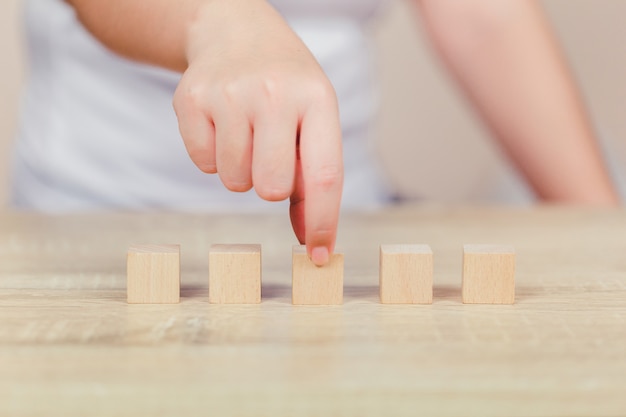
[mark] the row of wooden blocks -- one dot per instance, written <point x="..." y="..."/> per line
<point x="406" y="275"/>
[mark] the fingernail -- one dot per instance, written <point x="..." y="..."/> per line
<point x="319" y="256"/>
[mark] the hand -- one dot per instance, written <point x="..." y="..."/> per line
<point x="255" y="107"/>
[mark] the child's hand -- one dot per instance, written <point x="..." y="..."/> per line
<point x="251" y="96"/>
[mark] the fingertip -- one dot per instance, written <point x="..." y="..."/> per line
<point x="207" y="168"/>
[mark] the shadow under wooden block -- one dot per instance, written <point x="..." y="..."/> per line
<point x="488" y="274"/>
<point x="153" y="274"/>
<point x="406" y="274"/>
<point x="314" y="285"/>
<point x="235" y="274"/>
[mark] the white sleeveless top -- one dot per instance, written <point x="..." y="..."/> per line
<point x="99" y="131"/>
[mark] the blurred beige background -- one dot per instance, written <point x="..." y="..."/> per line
<point x="457" y="161"/>
<point x="11" y="75"/>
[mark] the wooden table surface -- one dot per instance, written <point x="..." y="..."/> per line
<point x="70" y="345"/>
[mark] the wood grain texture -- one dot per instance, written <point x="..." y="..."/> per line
<point x="488" y="274"/>
<point x="406" y="274"/>
<point x="235" y="274"/>
<point x="153" y="274"/>
<point x="70" y="345"/>
<point x="314" y="285"/>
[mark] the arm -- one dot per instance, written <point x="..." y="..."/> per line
<point x="504" y="56"/>
<point x="251" y="96"/>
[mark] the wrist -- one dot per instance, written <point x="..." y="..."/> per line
<point x="218" y="21"/>
<point x="196" y="29"/>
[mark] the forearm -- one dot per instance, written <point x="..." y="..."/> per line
<point x="149" y="31"/>
<point x="164" y="32"/>
<point x="504" y="57"/>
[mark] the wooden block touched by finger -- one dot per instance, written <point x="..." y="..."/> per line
<point x="315" y="285"/>
<point x="153" y="274"/>
<point x="235" y="274"/>
<point x="406" y="274"/>
<point x="488" y="274"/>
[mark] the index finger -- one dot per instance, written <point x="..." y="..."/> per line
<point x="322" y="175"/>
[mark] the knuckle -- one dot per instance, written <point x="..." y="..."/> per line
<point x="321" y="89"/>
<point x="196" y="96"/>
<point x="328" y="177"/>
<point x="270" y="85"/>
<point x="230" y="90"/>
<point x="323" y="233"/>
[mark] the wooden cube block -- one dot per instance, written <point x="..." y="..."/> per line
<point x="314" y="285"/>
<point x="235" y="274"/>
<point x="153" y="274"/>
<point x="406" y="274"/>
<point x="488" y="274"/>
